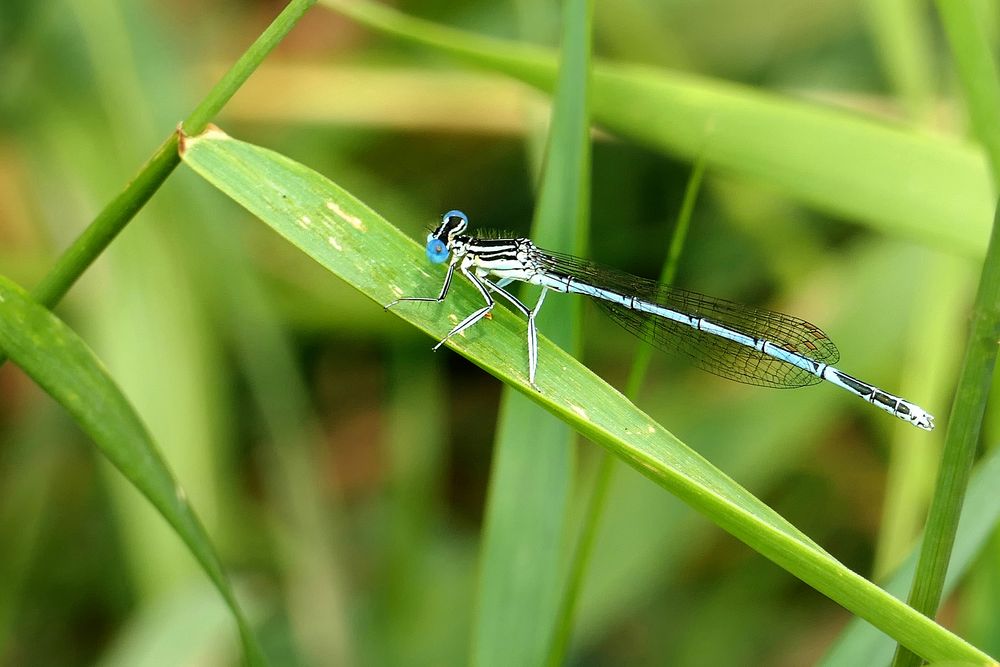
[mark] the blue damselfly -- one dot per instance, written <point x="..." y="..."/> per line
<point x="737" y="342"/>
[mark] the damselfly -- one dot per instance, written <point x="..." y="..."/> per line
<point x="737" y="342"/>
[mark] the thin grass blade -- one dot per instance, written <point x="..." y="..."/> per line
<point x="980" y="79"/>
<point x="861" y="643"/>
<point x="60" y="362"/>
<point x="534" y="460"/>
<point x="911" y="180"/>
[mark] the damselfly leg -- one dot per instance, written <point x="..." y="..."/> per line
<point x="485" y="286"/>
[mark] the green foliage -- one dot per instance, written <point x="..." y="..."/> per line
<point x="355" y="243"/>
<point x="534" y="462"/>
<point x="804" y="150"/>
<point x="340" y="467"/>
<point x="979" y="77"/>
<point x="55" y="357"/>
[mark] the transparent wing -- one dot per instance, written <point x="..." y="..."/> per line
<point x="709" y="352"/>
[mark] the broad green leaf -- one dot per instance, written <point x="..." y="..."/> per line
<point x="518" y="609"/>
<point x="890" y="176"/>
<point x="60" y="362"/>
<point x="354" y="242"/>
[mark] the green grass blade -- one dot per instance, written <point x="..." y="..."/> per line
<point x="977" y="71"/>
<point x="352" y="241"/>
<point x="903" y="40"/>
<point x="61" y="363"/>
<point x="912" y="181"/>
<point x="524" y="535"/>
<point x="962" y="436"/>
<point x="981" y="83"/>
<point x="913" y="459"/>
<point x="306" y="522"/>
<point x="534" y="463"/>
<point x="677" y="240"/>
<point x="862" y="644"/>
<point x="120" y="210"/>
<point x="904" y="46"/>
<point x="597" y="501"/>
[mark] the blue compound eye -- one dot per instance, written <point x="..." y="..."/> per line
<point x="437" y="251"/>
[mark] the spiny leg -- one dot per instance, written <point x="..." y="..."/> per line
<point x="474" y="317"/>
<point x="438" y="299"/>
<point x="533" y="338"/>
<point x="532" y="331"/>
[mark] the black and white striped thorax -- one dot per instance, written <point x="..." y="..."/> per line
<point x="513" y="259"/>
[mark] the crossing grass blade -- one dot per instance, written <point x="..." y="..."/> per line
<point x="354" y="242"/>
<point x="912" y="181"/>
<point x="531" y="483"/>
<point x="61" y="363"/>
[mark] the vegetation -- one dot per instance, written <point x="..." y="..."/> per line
<point x="332" y="477"/>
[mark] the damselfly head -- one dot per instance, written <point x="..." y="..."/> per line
<point x="438" y="241"/>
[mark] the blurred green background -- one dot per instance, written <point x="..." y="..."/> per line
<point x="341" y="467"/>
